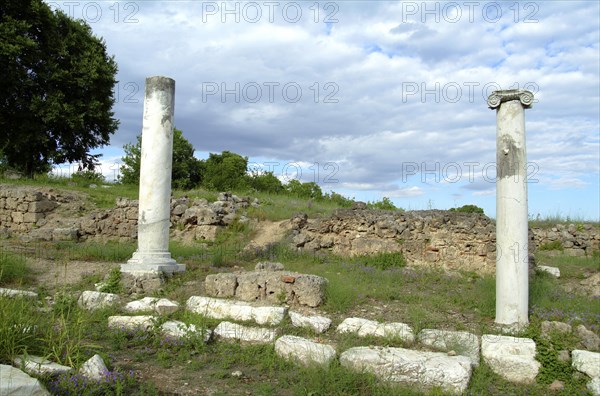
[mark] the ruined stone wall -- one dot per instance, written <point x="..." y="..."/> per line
<point x="451" y="240"/>
<point x="45" y="214"/>
<point x="447" y="239"/>
<point x="434" y="237"/>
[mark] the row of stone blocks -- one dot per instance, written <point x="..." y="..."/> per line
<point x="511" y="357"/>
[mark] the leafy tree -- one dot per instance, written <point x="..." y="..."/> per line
<point x="186" y="170"/>
<point x="266" y="182"/>
<point x="225" y="171"/>
<point x="56" y="90"/>
<point x="304" y="190"/>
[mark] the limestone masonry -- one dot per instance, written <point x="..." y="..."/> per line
<point x="433" y="237"/>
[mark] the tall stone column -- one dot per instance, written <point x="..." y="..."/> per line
<point x="154" y="210"/>
<point x="512" y="259"/>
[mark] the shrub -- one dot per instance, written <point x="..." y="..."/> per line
<point x="468" y="209"/>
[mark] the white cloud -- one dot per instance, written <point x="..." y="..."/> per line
<point x="373" y="58"/>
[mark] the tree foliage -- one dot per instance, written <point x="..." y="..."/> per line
<point x="225" y="171"/>
<point x="186" y="170"/>
<point x="468" y="209"/>
<point x="56" y="90"/>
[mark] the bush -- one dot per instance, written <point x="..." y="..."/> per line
<point x="384" y="204"/>
<point x="468" y="209"/>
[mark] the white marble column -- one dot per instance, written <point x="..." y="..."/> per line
<point x="155" y="181"/>
<point x="512" y="259"/>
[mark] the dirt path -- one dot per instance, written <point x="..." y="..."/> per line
<point x="54" y="275"/>
<point x="268" y="232"/>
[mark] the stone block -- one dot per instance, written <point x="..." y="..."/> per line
<point x="589" y="339"/>
<point x="30" y="217"/>
<point x="65" y="234"/>
<point x="235" y="310"/>
<point x="15" y="382"/>
<point x="93" y="300"/>
<point x="17" y="293"/>
<point x="364" y="327"/>
<point x="587" y="362"/>
<point x="414" y="368"/>
<point x="510" y="357"/>
<point x="177" y="329"/>
<point x="17" y="217"/>
<point x="131" y="323"/>
<point x="319" y="324"/>
<point x="36" y="365"/>
<point x="594" y="386"/>
<point x="221" y="285"/>
<point x="42" y="206"/>
<point x="234" y="331"/>
<point x="304" y="351"/>
<point x="554" y="271"/>
<point x="162" y="306"/>
<point x="461" y="342"/>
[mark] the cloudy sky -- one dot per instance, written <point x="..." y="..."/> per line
<point x="370" y="99"/>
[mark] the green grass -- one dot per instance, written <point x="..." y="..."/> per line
<point x="13" y="269"/>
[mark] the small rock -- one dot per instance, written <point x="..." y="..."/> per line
<point x="564" y="355"/>
<point x="554" y="271"/>
<point x="549" y="327"/>
<point x="237" y="374"/>
<point x="268" y="266"/>
<point x="589" y="339"/>
<point x="556" y="386"/>
<point x="94" y="368"/>
<point x="451" y="353"/>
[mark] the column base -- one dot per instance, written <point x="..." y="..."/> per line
<point x="152" y="262"/>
